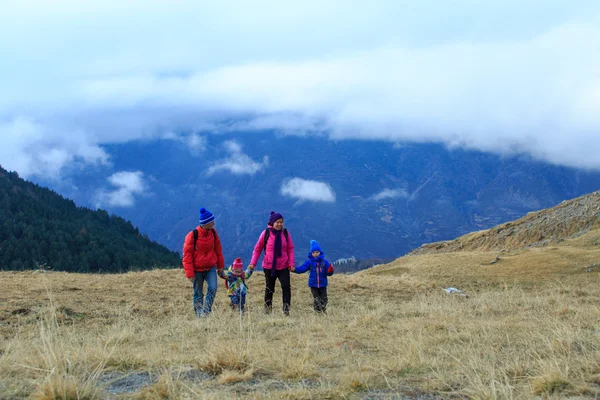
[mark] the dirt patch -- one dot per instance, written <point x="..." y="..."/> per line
<point x="195" y="376"/>
<point x="400" y="395"/>
<point x="120" y="383"/>
<point x="21" y="311"/>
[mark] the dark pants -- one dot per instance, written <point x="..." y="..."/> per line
<point x="204" y="306"/>
<point x="237" y="302"/>
<point x="284" y="279"/>
<point x="320" y="299"/>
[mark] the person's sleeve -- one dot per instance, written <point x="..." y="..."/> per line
<point x="258" y="248"/>
<point x="290" y="250"/>
<point x="219" y="251"/>
<point x="223" y="274"/>
<point x="329" y="268"/>
<point x="188" y="255"/>
<point x="303" y="268"/>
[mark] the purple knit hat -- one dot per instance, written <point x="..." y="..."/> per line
<point x="274" y="217"/>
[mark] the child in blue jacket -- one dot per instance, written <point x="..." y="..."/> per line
<point x="235" y="277"/>
<point x="319" y="269"/>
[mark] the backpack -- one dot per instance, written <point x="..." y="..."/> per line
<point x="196" y="238"/>
<point x="266" y="237"/>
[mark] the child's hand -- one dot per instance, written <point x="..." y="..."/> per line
<point x="330" y="270"/>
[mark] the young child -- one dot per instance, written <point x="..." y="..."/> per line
<point x="319" y="269"/>
<point x="235" y="278"/>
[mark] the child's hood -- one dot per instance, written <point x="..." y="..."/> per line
<point x="315" y="246"/>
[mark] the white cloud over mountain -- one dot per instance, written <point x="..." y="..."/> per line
<point x="195" y="143"/>
<point x="238" y="163"/>
<point x="126" y="186"/>
<point x="82" y="75"/>
<point x="308" y="190"/>
<point x="390" y="194"/>
<point x="34" y="149"/>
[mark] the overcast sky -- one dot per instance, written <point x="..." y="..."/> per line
<point x="502" y="76"/>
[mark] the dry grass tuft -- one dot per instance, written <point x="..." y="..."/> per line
<point x="162" y="389"/>
<point x="301" y="368"/>
<point x="66" y="387"/>
<point x="549" y="384"/>
<point x="235" y="376"/>
<point x="224" y="359"/>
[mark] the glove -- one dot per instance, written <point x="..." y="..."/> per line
<point x="330" y="269"/>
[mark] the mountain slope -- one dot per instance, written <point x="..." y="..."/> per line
<point x="41" y="228"/>
<point x="433" y="193"/>
<point x="558" y="244"/>
<point x="568" y="220"/>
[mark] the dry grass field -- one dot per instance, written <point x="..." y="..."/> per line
<point x="529" y="328"/>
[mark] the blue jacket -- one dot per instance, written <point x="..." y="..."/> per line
<point x="318" y="270"/>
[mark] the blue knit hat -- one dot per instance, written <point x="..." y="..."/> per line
<point x="206" y="217"/>
<point x="314" y="246"/>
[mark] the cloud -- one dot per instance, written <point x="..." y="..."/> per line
<point x="390" y="194"/>
<point x="127" y="185"/>
<point x="33" y="149"/>
<point x="373" y="73"/>
<point x="308" y="190"/>
<point x="238" y="163"/>
<point x="195" y="143"/>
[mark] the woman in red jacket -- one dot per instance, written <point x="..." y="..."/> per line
<point x="202" y="256"/>
<point x="277" y="262"/>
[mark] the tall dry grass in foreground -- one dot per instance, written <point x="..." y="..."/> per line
<point x="386" y="334"/>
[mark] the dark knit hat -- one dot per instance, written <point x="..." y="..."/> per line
<point x="314" y="246"/>
<point x="206" y="217"/>
<point x="274" y="217"/>
<point x="237" y="264"/>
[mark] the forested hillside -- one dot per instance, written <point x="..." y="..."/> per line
<point x="40" y="228"/>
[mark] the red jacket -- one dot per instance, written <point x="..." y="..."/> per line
<point x="207" y="254"/>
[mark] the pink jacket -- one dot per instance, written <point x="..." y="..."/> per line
<point x="284" y="261"/>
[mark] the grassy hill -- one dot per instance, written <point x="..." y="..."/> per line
<point x="570" y="219"/>
<point x="527" y="329"/>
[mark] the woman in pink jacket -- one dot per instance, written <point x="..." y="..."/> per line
<point x="277" y="262"/>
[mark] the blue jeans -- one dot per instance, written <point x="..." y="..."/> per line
<point x="204" y="306"/>
<point x="238" y="302"/>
